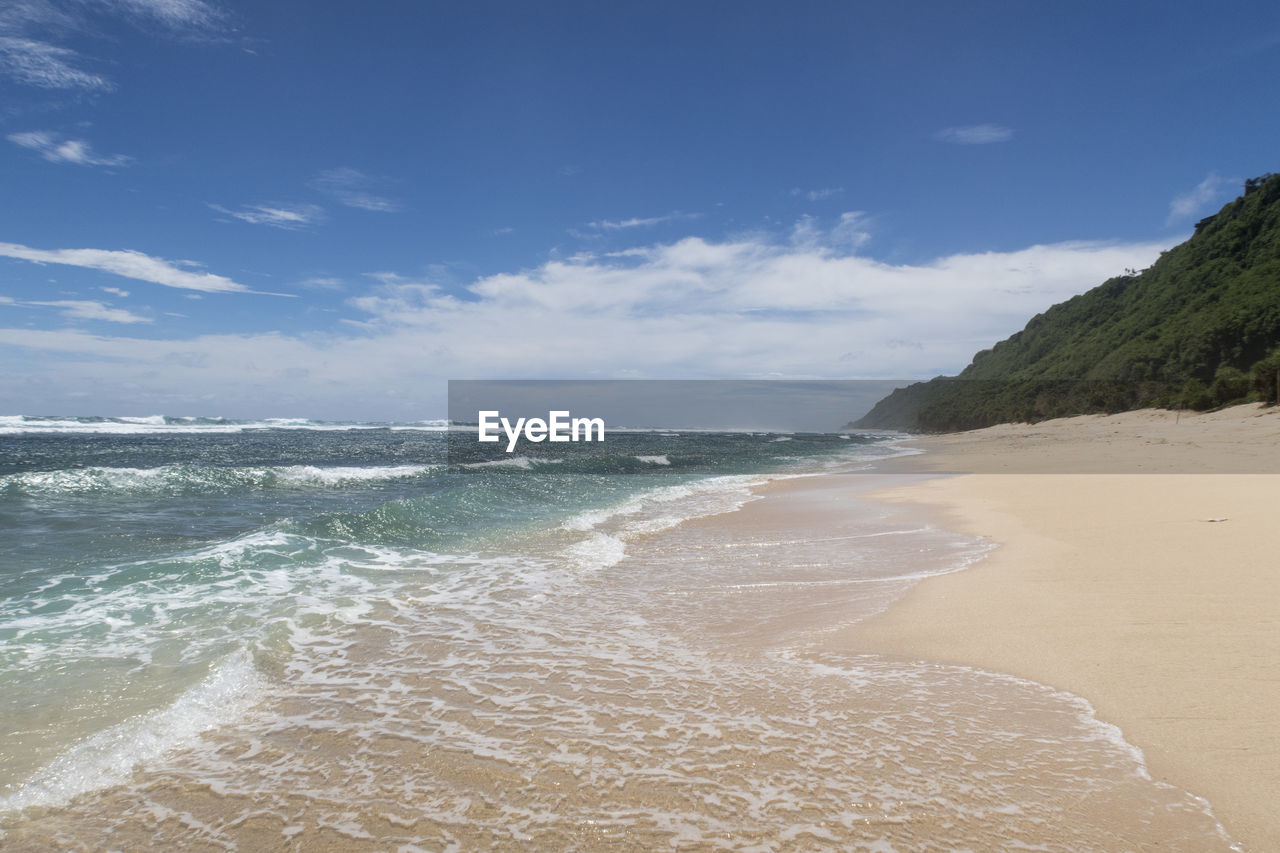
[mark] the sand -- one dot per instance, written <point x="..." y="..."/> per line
<point x="1138" y="567"/>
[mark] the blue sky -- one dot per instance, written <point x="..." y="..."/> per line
<point x="326" y="209"/>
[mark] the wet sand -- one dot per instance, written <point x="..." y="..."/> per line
<point x="1151" y="586"/>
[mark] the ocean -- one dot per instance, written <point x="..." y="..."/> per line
<point x="289" y="634"/>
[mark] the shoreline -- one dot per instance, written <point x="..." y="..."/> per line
<point x="711" y="663"/>
<point x="1149" y="593"/>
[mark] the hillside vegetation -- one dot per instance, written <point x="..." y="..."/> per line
<point x="1198" y="329"/>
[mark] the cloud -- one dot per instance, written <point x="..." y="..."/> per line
<point x="33" y="32"/>
<point x="852" y="230"/>
<point x="79" y="309"/>
<point x="47" y="66"/>
<point x="290" y="217"/>
<point x="126" y="263"/>
<point x="56" y="149"/>
<point x="693" y="308"/>
<point x="317" y="282"/>
<point x="976" y="134"/>
<point x="849" y="233"/>
<point x="1190" y="203"/>
<point x="817" y="195"/>
<point x="114" y="291"/>
<point x="352" y="188"/>
<point x="176" y="14"/>
<point x="616" y="225"/>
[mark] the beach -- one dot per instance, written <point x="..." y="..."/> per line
<point x="1135" y="568"/>
<point x="342" y="643"/>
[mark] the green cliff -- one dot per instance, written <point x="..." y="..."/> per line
<point x="1199" y="328"/>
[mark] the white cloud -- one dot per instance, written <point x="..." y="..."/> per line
<point x="976" y="134"/>
<point x="637" y="222"/>
<point x="48" y="66"/>
<point x="114" y="291"/>
<point x="56" y="149"/>
<point x="178" y="14"/>
<point x="33" y="32"/>
<point x="1193" y="201"/>
<point x="320" y="282"/>
<point x="126" y="263"/>
<point x="351" y="187"/>
<point x="850" y="232"/>
<point x="290" y="217"/>
<point x="749" y="307"/>
<point x="81" y="309"/>
<point x="817" y="195"/>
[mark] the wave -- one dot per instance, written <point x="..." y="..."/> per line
<point x="522" y="462"/>
<point x="182" y="479"/>
<point x="609" y="529"/>
<point x="109" y="757"/>
<point x="41" y="425"/>
<point x="655" y="460"/>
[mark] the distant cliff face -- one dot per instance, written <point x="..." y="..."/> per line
<point x="1200" y="328"/>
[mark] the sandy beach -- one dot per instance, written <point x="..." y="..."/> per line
<point x="1149" y="586"/>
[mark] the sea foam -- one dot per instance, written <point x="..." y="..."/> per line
<point x="109" y="757"/>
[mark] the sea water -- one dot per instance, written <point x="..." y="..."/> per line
<point x="286" y="634"/>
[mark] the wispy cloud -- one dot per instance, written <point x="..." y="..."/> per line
<point x="290" y="217"/>
<point x="126" y="263"/>
<point x="178" y="14"/>
<point x="115" y="291"/>
<point x="817" y="195"/>
<point x="47" y="66"/>
<point x="638" y="222"/>
<point x="57" y="149"/>
<point x="84" y="309"/>
<point x="850" y="232"/>
<point x="318" y="282"/>
<point x="33" y="35"/>
<point x="1193" y="201"/>
<point x="976" y="134"/>
<point x="353" y="188"/>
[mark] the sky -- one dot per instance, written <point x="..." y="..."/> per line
<point x="305" y="208"/>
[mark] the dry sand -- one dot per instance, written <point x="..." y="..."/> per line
<point x="1151" y="586"/>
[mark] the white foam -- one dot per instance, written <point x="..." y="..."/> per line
<point x="166" y="477"/>
<point x="514" y="462"/>
<point x="31" y="425"/>
<point x="597" y="551"/>
<point x="348" y="474"/>
<point x="109" y="757"/>
<point x="650" y="512"/>
<point x="655" y="460"/>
